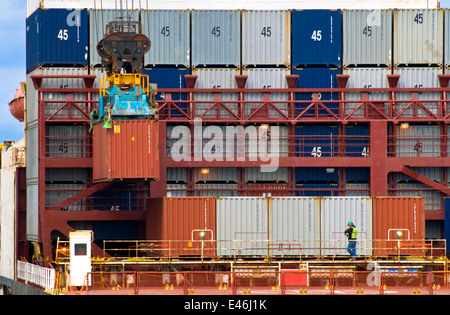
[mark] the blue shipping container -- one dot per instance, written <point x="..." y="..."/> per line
<point x="316" y="140"/>
<point x="115" y="230"/>
<point x="170" y="78"/>
<point x="357" y="140"/>
<point x="316" y="190"/>
<point x="57" y="37"/>
<point x="116" y="197"/>
<point x="357" y="175"/>
<point x="316" y="78"/>
<point x="316" y="37"/>
<point x="447" y="222"/>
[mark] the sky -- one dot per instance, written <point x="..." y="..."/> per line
<point x="12" y="64"/>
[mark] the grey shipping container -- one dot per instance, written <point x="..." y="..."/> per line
<point x="418" y="141"/>
<point x="169" y="33"/>
<point x="216" y="38"/>
<point x="418" y="37"/>
<point x="98" y="20"/>
<point x="241" y="226"/>
<point x="266" y="38"/>
<point x="367" y="37"/>
<point x="294" y="226"/>
<point x="335" y="214"/>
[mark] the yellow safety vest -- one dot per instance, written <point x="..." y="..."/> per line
<point x="354" y="232"/>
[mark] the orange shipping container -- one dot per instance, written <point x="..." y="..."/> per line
<point x="185" y="225"/>
<point x="128" y="150"/>
<point x="399" y="226"/>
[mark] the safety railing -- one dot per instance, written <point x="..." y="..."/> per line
<point x="36" y="275"/>
<point x="264" y="249"/>
<point x="322" y="281"/>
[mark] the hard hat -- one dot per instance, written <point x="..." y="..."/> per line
<point x="349" y="222"/>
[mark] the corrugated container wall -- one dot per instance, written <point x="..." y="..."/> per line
<point x="316" y="140"/>
<point x="418" y="141"/>
<point x="397" y="213"/>
<point x="242" y="226"/>
<point x="128" y="150"/>
<point x="418" y="37"/>
<point x="295" y="223"/>
<point x="418" y="77"/>
<point x="216" y="78"/>
<point x="169" y="33"/>
<point x="180" y="220"/>
<point x="57" y="37"/>
<point x="336" y="212"/>
<point x="266" y="38"/>
<point x="216" y="38"/>
<point x="367" y="37"/>
<point x="446" y="38"/>
<point x="98" y="20"/>
<point x="316" y="37"/>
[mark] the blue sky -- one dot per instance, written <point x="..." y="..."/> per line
<point x="12" y="64"/>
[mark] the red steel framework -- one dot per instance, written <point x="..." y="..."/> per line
<point x="379" y="114"/>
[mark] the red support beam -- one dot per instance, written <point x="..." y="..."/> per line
<point x="378" y="153"/>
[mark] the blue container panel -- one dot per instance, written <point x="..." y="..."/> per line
<point x="357" y="175"/>
<point x="57" y="37"/>
<point x="447" y="222"/>
<point x="316" y="140"/>
<point x="305" y="175"/>
<point x="316" y="37"/>
<point x="316" y="190"/>
<point x="170" y="78"/>
<point x="115" y="230"/>
<point x="118" y="197"/>
<point x="316" y="78"/>
<point x="357" y="140"/>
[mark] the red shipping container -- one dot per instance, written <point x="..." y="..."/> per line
<point x="405" y="215"/>
<point x="128" y="150"/>
<point x="179" y="223"/>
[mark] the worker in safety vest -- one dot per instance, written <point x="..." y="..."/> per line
<point x="351" y="235"/>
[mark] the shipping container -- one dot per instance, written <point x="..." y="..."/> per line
<point x="216" y="38"/>
<point x="267" y="141"/>
<point x="178" y="223"/>
<point x="316" y="78"/>
<point x="266" y="189"/>
<point x="316" y="189"/>
<point x="316" y="37"/>
<point x="417" y="141"/>
<point x="294" y="226"/>
<point x="52" y="107"/>
<point x="57" y="37"/>
<point x="176" y="190"/>
<point x="447" y="222"/>
<point x="357" y="141"/>
<point x="357" y="190"/>
<point x="367" y="37"/>
<point x="403" y="214"/>
<point x="316" y="175"/>
<point x="417" y="77"/>
<point x="418" y="37"/>
<point x="266" y="78"/>
<point x="216" y="78"/>
<point x="242" y="226"/>
<point x="177" y="175"/>
<point x="266" y="38"/>
<point x="316" y="140"/>
<point x="117" y="197"/>
<point x="446" y="39"/>
<point x="367" y="78"/>
<point x="169" y="33"/>
<point x="170" y="78"/>
<point x="357" y="174"/>
<point x="256" y="174"/>
<point x="98" y="20"/>
<point x="336" y="212"/>
<point x="128" y="150"/>
<point x="215" y="174"/>
<point x="68" y="141"/>
<point x="58" y="192"/>
<point x="216" y="190"/>
<point x="115" y="230"/>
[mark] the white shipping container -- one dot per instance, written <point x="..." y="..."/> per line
<point x="367" y="37"/>
<point x="266" y="38"/>
<point x="242" y="226"/>
<point x="418" y="37"/>
<point x="294" y="226"/>
<point x="418" y="141"/>
<point x="335" y="213"/>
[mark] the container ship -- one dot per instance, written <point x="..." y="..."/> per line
<point x="225" y="149"/>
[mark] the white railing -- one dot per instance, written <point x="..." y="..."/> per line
<point x="36" y="275"/>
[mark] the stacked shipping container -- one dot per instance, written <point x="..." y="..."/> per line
<point x="316" y="45"/>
